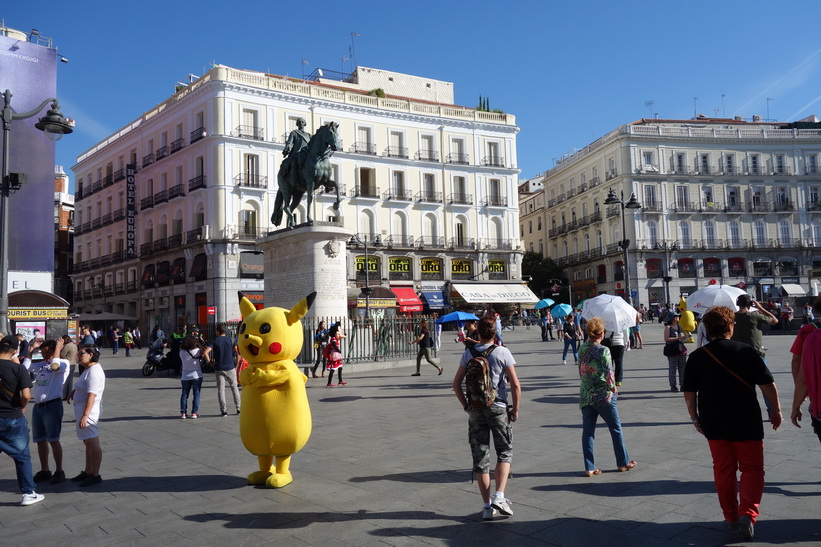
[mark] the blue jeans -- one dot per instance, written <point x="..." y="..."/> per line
<point x="610" y="415"/>
<point x="14" y="441"/>
<point x="570" y="343"/>
<point x="186" y="389"/>
<point x="115" y="347"/>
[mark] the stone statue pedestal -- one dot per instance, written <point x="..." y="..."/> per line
<point x="305" y="259"/>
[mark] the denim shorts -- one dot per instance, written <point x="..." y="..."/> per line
<point x="482" y="423"/>
<point x="47" y="421"/>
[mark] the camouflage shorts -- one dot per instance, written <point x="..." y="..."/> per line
<point x="482" y="423"/>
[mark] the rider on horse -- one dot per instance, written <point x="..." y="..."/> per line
<point x="297" y="140"/>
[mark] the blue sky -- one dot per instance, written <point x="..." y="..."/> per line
<point x="569" y="71"/>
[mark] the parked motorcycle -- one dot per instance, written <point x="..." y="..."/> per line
<point x="156" y="360"/>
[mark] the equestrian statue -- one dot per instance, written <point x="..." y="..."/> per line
<point x="306" y="166"/>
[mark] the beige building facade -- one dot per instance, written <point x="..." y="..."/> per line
<point x="174" y="240"/>
<point x="723" y="201"/>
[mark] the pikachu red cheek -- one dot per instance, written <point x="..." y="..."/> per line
<point x="275" y="348"/>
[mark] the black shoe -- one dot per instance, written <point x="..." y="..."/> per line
<point x="58" y="477"/>
<point x="91" y="480"/>
<point x="42" y="476"/>
<point x="224" y="414"/>
<point x="81" y="477"/>
<point x="674" y="389"/>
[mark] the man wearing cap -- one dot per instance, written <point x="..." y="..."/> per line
<point x="47" y="417"/>
<point x="14" y="430"/>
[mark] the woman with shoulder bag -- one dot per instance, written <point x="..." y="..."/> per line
<point x="675" y="350"/>
<point x="191" y="378"/>
<point x="570" y="334"/>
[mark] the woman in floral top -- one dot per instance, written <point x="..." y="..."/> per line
<point x="597" y="397"/>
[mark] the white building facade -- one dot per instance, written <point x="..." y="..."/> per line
<point x="723" y="201"/>
<point x="431" y="181"/>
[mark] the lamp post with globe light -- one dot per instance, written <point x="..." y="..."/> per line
<point x="54" y="125"/>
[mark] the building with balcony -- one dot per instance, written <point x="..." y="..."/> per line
<point x="64" y="234"/>
<point x="168" y="209"/>
<point x="723" y="201"/>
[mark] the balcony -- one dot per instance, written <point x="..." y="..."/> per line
<point x="429" y="197"/>
<point x="196" y="183"/>
<point x="131" y="286"/>
<point x="611" y="174"/>
<point x="612" y="211"/>
<point x="96" y="223"/>
<point x="814" y="205"/>
<point x="462" y="244"/>
<point x="571" y="193"/>
<point x="735" y="243"/>
<point x="197" y="234"/>
<point x="460" y="198"/>
<point x="499" y="244"/>
<point x="147" y="203"/>
<point x="736" y="207"/>
<point x="758" y="207"/>
<point x="427" y="155"/>
<point x="249" y="180"/>
<point x="783" y="205"/>
<point x="161" y="244"/>
<point x="107" y="219"/>
<point x="146" y="248"/>
<point x="582" y="187"/>
<point x="400" y="195"/>
<point x="366" y="191"/>
<point x="494" y="201"/>
<point x="431" y="242"/>
<point x="244" y="232"/>
<point x="363" y="148"/>
<point x="117" y="257"/>
<point x="686" y="207"/>
<point x="108" y="180"/>
<point x="175" y="240"/>
<point x="249" y="132"/>
<point x="119" y="288"/>
<point x="493" y="161"/>
<point x="396" y="152"/>
<point x="594" y="182"/>
<point x="197" y="134"/>
<point x="458" y="158"/>
<point x="119" y="175"/>
<point x="788" y="243"/>
<point x="162" y="152"/>
<point x="176" y="191"/>
<point x="782" y="172"/>
<point x="688" y="244"/>
<point x="118" y="215"/>
<point x="177" y="145"/>
<point x="86" y="227"/>
<point x="97" y="186"/>
<point x="651" y="207"/>
<point x="148" y="159"/>
<point x="399" y="242"/>
<point x="160" y="197"/>
<point x="711" y="207"/>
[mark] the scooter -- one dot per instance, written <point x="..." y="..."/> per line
<point x="155" y="360"/>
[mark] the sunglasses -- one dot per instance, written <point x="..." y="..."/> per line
<point x="86" y="353"/>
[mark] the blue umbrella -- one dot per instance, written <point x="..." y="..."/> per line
<point x="561" y="310"/>
<point x="456" y="316"/>
<point x="543" y="303"/>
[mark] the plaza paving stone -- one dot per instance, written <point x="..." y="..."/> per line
<point x="388" y="464"/>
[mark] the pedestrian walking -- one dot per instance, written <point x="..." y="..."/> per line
<point x="333" y="353"/>
<point x="224" y="360"/>
<point x="191" y="376"/>
<point x="570" y="335"/>
<point x="719" y="390"/>
<point x="494" y="419"/>
<point x="806" y="372"/>
<point x="321" y="339"/>
<point x="675" y="350"/>
<point x="597" y="397"/>
<point x="425" y="341"/>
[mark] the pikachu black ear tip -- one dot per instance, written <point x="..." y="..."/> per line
<point x="240" y="295"/>
<point x="310" y="298"/>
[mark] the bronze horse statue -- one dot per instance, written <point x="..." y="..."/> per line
<point x="312" y="170"/>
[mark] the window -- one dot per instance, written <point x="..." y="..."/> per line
<point x="429" y="186"/>
<point x="427" y="152"/>
<point x="652" y="233"/>
<point x="251" y="165"/>
<point x="649" y="195"/>
<point x="681" y="197"/>
<point x="813" y="197"/>
<point x="684" y="237"/>
<point x="460" y="234"/>
<point x="757" y="198"/>
<point x="364" y="142"/>
<point x="754" y="164"/>
<point x="652" y="267"/>
<point x="367" y="180"/>
<point x="735" y="234"/>
<point x="812" y="163"/>
<point x="398" y="189"/>
<point x="530" y="226"/>
<point x="784" y="232"/>
<point x="539" y="224"/>
<point x="712" y="267"/>
<point x="816" y="232"/>
<point x="778" y="164"/>
<point x="397" y="148"/>
<point x="710" y="234"/>
<point x="647" y="158"/>
<point x="494" y="157"/>
<point x="729" y="163"/>
<point x="457" y="151"/>
<point x="760" y="233"/>
<point x="732" y="198"/>
<point x="680" y="163"/>
<point x="705" y="164"/>
<point x="707" y="195"/>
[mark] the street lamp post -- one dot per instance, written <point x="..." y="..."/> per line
<point x="668" y="250"/>
<point x="54" y="125"/>
<point x="376" y="243"/>
<point x="632" y="203"/>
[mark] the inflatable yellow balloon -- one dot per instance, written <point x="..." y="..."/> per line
<point x="682" y="306"/>
<point x="276" y="419"/>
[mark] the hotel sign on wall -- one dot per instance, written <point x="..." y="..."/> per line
<point x="130" y="211"/>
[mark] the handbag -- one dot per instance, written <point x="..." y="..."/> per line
<point x="672" y="349"/>
<point x="336" y="356"/>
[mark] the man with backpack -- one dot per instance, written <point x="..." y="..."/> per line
<point x="486" y="371"/>
<point x="806" y="371"/>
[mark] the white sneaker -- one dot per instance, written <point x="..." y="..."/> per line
<point x="31" y="499"/>
<point x="488" y="513"/>
<point x="502" y="504"/>
<point x="564" y="361"/>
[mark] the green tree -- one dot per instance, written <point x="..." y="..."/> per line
<point x="541" y="270"/>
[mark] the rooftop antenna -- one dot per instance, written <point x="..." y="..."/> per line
<point x="304" y="63"/>
<point x="695" y="107"/>
<point x="649" y="104"/>
<point x="723" y="112"/>
<point x="768" y="107"/>
<point x="344" y="59"/>
<point x="353" y="49"/>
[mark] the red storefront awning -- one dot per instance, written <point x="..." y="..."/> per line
<point x="407" y="299"/>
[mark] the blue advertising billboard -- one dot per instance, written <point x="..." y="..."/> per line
<point x="29" y="71"/>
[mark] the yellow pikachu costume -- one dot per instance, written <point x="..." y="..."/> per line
<point x="276" y="419"/>
<point x="687" y="321"/>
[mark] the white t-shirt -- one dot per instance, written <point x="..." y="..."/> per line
<point x="91" y="380"/>
<point x="48" y="384"/>
<point x="191" y="369"/>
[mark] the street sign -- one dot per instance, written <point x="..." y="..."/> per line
<point x="212" y="310"/>
<point x="634" y="294"/>
<point x="554" y="288"/>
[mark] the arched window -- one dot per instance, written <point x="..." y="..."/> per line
<point x="735" y="234"/>
<point x="367" y="225"/>
<point x="618" y="270"/>
<point x="710" y="234"/>
<point x="684" y="237"/>
<point x="248" y="220"/>
<point x="555" y="252"/>
<point x="565" y="249"/>
<point x="586" y="242"/>
<point x="599" y="240"/>
<point x="652" y="233"/>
